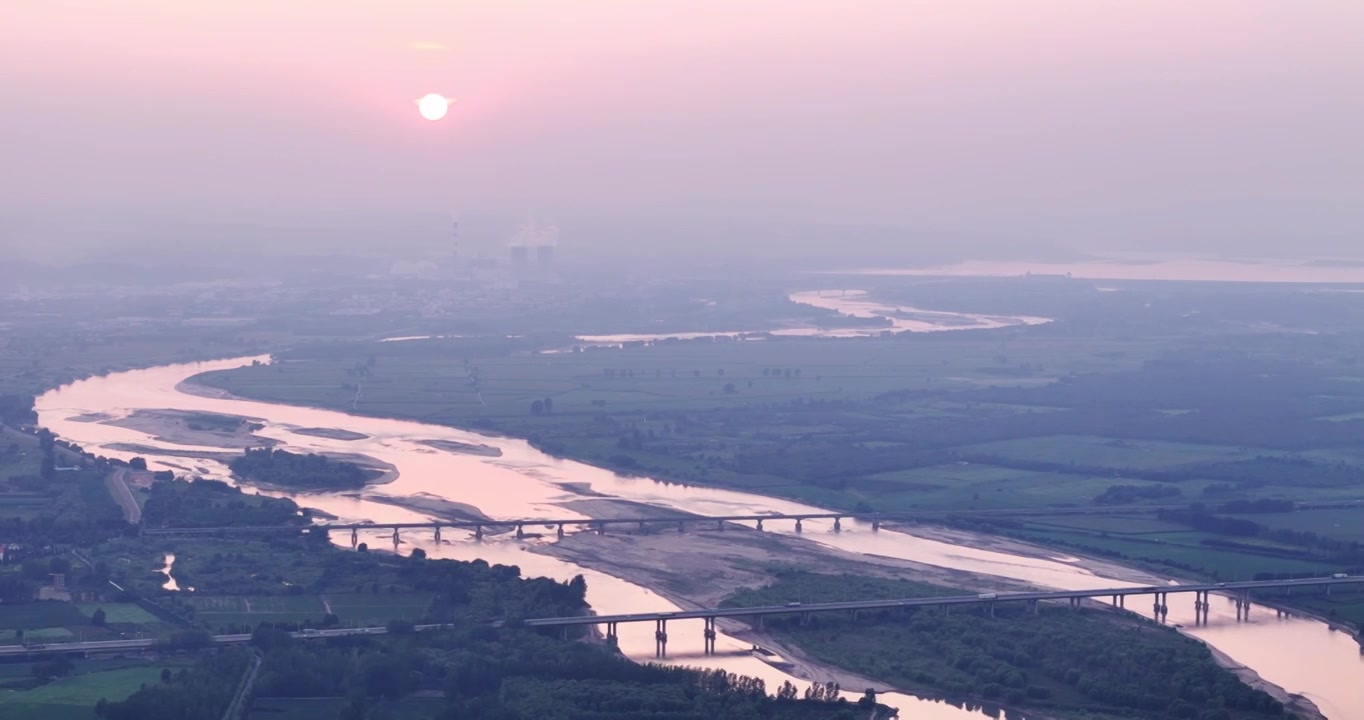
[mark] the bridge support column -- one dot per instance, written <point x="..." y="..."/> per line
<point x="719" y="524"/>
<point x="798" y="527"/>
<point x="396" y="540"/>
<point x="478" y="532"/>
<point x="838" y="524"/>
<point x="520" y="532"/>
<point x="760" y="526"/>
<point x="710" y="636"/>
<point x="354" y="538"/>
<point x="990" y="609"/>
<point x="680" y="526"/>
<point x="561" y="533"/>
<point x="437" y="534"/>
<point x="661" y="639"/>
<point x="1033" y="607"/>
<point x="876" y="523"/>
<point x="601" y="528"/>
<point x="612" y="639"/>
<point x="641" y="527"/>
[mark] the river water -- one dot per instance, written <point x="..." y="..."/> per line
<point x="856" y="303"/>
<point x="1301" y="655"/>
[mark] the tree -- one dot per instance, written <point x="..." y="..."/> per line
<point x="138" y="463"/>
<point x="418" y="554"/>
<point x="97" y="618"/>
<point x="165" y="675"/>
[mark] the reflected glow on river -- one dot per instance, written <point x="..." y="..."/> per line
<point x="1303" y="656"/>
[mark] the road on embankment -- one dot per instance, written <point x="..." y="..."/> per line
<point x="117" y="482"/>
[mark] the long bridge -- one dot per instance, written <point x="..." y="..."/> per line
<point x="1239" y="592"/>
<point x="600" y="525"/>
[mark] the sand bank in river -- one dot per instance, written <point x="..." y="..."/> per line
<point x="330" y="433"/>
<point x="433" y="505"/>
<point x="463" y="448"/>
<point x="181" y="427"/>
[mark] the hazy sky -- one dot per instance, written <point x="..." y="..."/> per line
<point x="1227" y="125"/>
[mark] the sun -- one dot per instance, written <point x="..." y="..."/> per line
<point x="433" y="106"/>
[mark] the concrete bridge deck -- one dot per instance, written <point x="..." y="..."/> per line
<point x="1239" y="591"/>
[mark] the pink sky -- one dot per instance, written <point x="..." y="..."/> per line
<point x="1104" y="123"/>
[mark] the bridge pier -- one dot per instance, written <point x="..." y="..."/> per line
<point x="719" y="524"/>
<point x="1033" y="607"/>
<point x="561" y="532"/>
<point x="396" y="540"/>
<point x="661" y="639"/>
<point x="710" y="634"/>
<point x="875" y="523"/>
<point x="641" y="527"/>
<point x="1159" y="609"/>
<point x="478" y="532"/>
<point x="838" y="524"/>
<point x="520" y="532"/>
<point x="990" y="609"/>
<point x="612" y="638"/>
<point x="798" y="527"/>
<point x="760" y="525"/>
<point x="601" y="528"/>
<point x="680" y="525"/>
<point x="437" y="534"/>
<point x="354" y="538"/>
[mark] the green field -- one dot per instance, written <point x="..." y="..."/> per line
<point x="1111" y="452"/>
<point x="1341" y="523"/>
<point x="75" y="696"/>
<point x="236" y="610"/>
<point x="351" y="608"/>
<point x="40" y="614"/>
<point x="378" y="608"/>
<point x="429" y="380"/>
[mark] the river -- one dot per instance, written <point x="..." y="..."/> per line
<point x="1300" y="655"/>
<point x="855" y="303"/>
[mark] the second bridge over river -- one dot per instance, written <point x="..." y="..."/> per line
<point x="1238" y="592"/>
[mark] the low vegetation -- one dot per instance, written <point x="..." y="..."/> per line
<point x="281" y="468"/>
<point x="1060" y="662"/>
